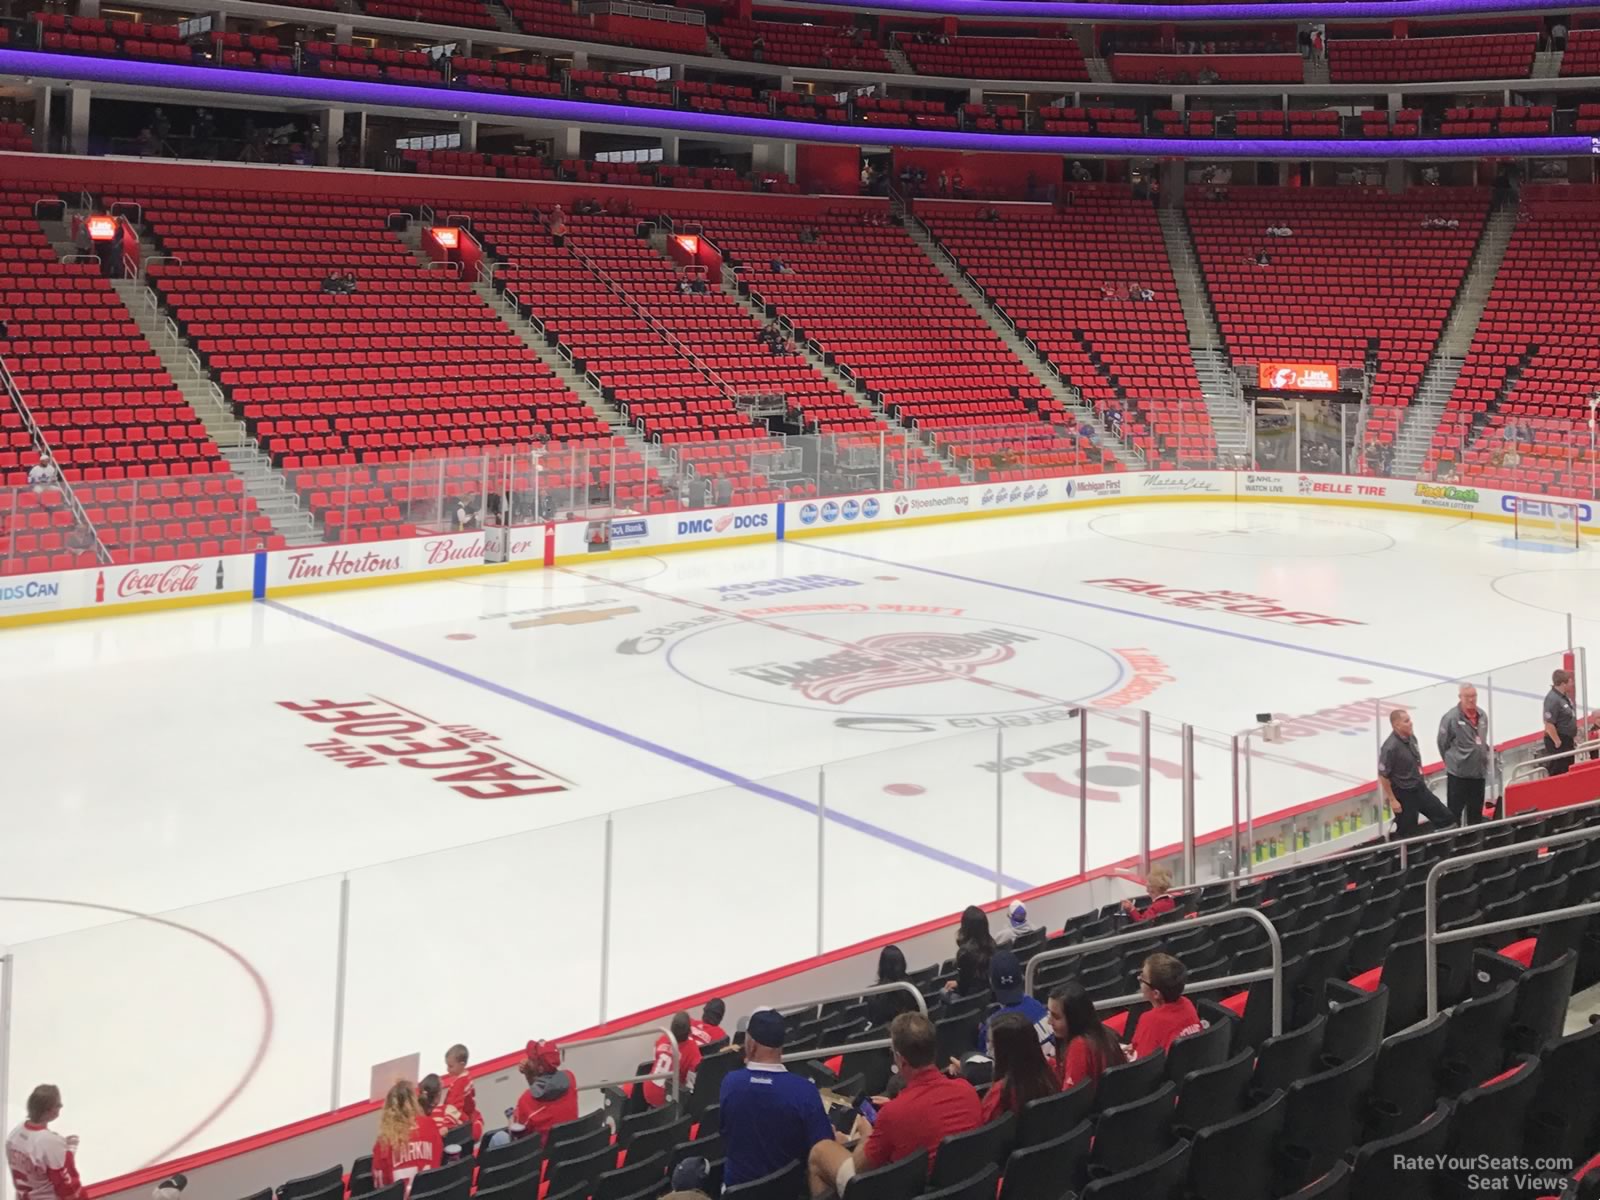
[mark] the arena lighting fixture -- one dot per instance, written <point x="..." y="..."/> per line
<point x="448" y="236"/>
<point x="689" y="241"/>
<point x="102" y="229"/>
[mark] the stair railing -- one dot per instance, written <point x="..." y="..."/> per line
<point x="42" y="445"/>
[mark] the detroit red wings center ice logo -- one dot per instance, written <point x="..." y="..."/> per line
<point x="890" y="660"/>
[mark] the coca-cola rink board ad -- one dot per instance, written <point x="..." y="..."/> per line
<point x="195" y="580"/>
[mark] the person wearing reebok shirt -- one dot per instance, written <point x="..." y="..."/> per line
<point x="930" y="1107"/>
<point x="1172" y="1014"/>
<point x="42" y="1163"/>
<point x="655" y="1090"/>
<point x="770" y="1118"/>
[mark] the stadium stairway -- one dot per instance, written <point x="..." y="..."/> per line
<point x="1007" y="333"/>
<point x="1439" y="380"/>
<point x="267" y="487"/>
<point x="1219" y="383"/>
<point x="582" y="385"/>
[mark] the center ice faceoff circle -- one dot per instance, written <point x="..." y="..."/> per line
<point x="895" y="664"/>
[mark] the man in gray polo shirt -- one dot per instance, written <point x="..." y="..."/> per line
<point x="1560" y="723"/>
<point x="1400" y="777"/>
<point x="1464" y="745"/>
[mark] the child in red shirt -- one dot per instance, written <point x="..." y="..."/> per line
<point x="1084" y="1047"/>
<point x="460" y="1097"/>
<point x="1172" y="1014"/>
<point x="655" y="1090"/>
<point x="1156" y="887"/>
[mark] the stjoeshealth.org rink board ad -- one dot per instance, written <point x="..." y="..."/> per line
<point x="53" y="595"/>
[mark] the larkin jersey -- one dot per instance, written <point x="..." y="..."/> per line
<point x="42" y="1168"/>
<point x="421" y="1151"/>
<point x="655" y="1090"/>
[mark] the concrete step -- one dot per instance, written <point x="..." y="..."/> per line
<point x="899" y="61"/>
<point x="1040" y="367"/>
<point x="1219" y="385"/>
<point x="1547" y="64"/>
<point x="267" y="487"/>
<point x="1099" y="70"/>
<point x="1438" y="382"/>
<point x="503" y="19"/>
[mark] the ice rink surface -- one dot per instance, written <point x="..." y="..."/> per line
<point x="187" y="794"/>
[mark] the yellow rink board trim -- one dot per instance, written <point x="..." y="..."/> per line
<point x="791" y="534"/>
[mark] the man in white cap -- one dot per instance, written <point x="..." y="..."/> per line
<point x="1016" y="924"/>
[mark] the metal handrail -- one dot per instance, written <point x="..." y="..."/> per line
<point x="81" y="258"/>
<point x="1538" y="763"/>
<point x="877" y="989"/>
<point x="162" y="258"/>
<point x="662" y="1030"/>
<point x="1274" y="972"/>
<point x="130" y="269"/>
<point x="102" y="555"/>
<point x="440" y="264"/>
<point x="1433" y="939"/>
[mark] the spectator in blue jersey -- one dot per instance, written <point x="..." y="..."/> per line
<point x="1005" y="980"/>
<point x="770" y="1118"/>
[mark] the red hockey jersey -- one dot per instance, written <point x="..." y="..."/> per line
<point x="421" y="1151"/>
<point x="460" y="1104"/>
<point x="655" y="1090"/>
<point x="41" y="1165"/>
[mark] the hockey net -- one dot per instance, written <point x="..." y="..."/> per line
<point x="1550" y="522"/>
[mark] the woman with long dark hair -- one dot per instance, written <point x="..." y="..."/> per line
<point x="1084" y="1047"/>
<point x="1021" y="1072"/>
<point x="974" y="949"/>
<point x="886" y="1006"/>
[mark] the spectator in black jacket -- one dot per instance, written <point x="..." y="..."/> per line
<point x="974" y="949"/>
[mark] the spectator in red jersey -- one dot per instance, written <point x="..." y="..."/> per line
<point x="708" y="1029"/>
<point x="1156" y="887"/>
<point x="1084" y="1047"/>
<point x="552" y="1095"/>
<point x="1171" y="1014"/>
<point x="930" y="1107"/>
<point x="655" y="1090"/>
<point x="460" y="1095"/>
<point x="408" y="1140"/>
<point x="431" y="1100"/>
<point x="1021" y="1071"/>
<point x="558" y="226"/>
<point x="43" y="1163"/>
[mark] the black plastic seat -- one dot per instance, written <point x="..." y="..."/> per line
<point x="1129" y="1134"/>
<point x="963" y="1155"/>
<point x="786" y="1184"/>
<point x="507" y="1173"/>
<point x="1196" y="1051"/>
<point x="522" y="1150"/>
<point x="1129" y="1082"/>
<point x="1234" y="1159"/>
<point x="578" y="1129"/>
<point x="624" y="1181"/>
<point x="1159" y="1179"/>
<point x="1404" y="974"/>
<point x="659" y="1140"/>
<point x="524" y="1187"/>
<point x="1048" y="1170"/>
<point x="636" y="1123"/>
<point x="1368" y="945"/>
<point x="1406" y="1086"/>
<point x="584" y="1169"/>
<point x="311" y="1185"/>
<point x="1376" y="1173"/>
<point x="1491" y="1119"/>
<point x="1049" y="1117"/>
<point x="442" y="1179"/>
<point x="1544" y="992"/>
<point x="361" y="1176"/>
<point x="1321" y="965"/>
<point x="1335" y="1185"/>
<point x="977" y="1187"/>
<point x="1291" y="1056"/>
<point x="708" y="1077"/>
<point x="395" y="1191"/>
<point x="1214" y="1094"/>
<point x="1325" y="1114"/>
<point x="1474" y="1039"/>
<point x="1565" y="1117"/>
<point x="1355" y="1021"/>
<point x="897" y="1181"/>
<point x="456" y="1188"/>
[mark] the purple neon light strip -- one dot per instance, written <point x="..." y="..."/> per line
<point x="345" y="91"/>
<point x="1306" y="10"/>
